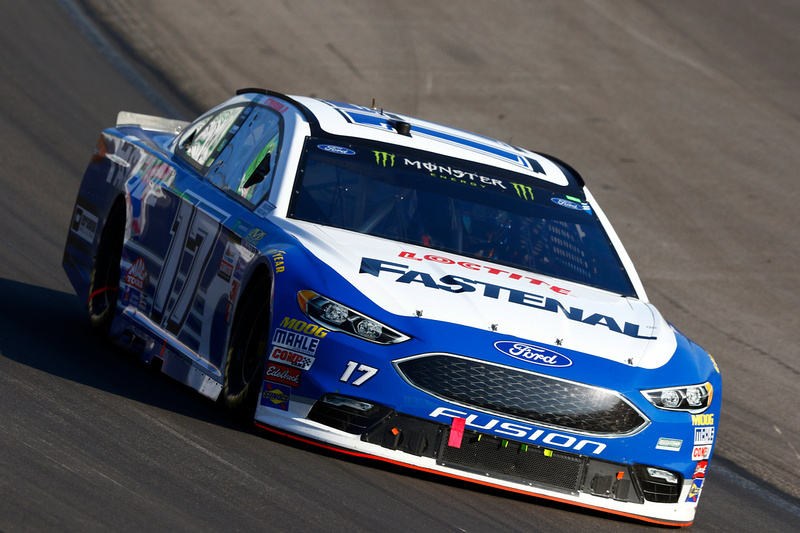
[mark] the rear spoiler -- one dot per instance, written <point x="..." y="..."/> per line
<point x="150" y="122"/>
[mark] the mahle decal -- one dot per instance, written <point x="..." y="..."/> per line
<point x="384" y="159"/>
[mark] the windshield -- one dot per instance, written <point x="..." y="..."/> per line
<point x="457" y="207"/>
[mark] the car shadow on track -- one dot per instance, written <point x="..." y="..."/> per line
<point x="48" y="330"/>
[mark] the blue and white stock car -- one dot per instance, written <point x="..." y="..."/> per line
<point x="396" y="289"/>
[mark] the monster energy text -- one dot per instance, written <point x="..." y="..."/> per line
<point x="454" y="174"/>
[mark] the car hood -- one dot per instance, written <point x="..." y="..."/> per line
<point x="409" y="280"/>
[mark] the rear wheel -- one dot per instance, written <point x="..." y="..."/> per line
<point x="244" y="365"/>
<point x="104" y="285"/>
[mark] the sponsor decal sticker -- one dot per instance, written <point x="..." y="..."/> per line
<point x="276" y="396"/>
<point x="255" y="235"/>
<point x="700" y="453"/>
<point x="456" y="175"/>
<point x="304" y="327"/>
<point x="572" y="203"/>
<point x="299" y="336"/>
<point x="277" y="259"/>
<point x="478" y="267"/>
<point x="523" y="191"/>
<point x="704" y="435"/>
<point x="277" y="106"/>
<point x="459" y="284"/>
<point x="297" y="360"/>
<point x="384" y="159"/>
<point x="336" y="149"/>
<point x="84" y="224"/>
<point x="137" y="276"/>
<point x="715" y="364"/>
<point x="700" y="469"/>
<point x="533" y="354"/>
<point x="282" y="374"/>
<point x="131" y="297"/>
<point x="485" y="423"/>
<point x="225" y="270"/>
<point x="241" y="228"/>
<point x="703" y="420"/>
<point x="694" y="491"/>
<point x="673" y="445"/>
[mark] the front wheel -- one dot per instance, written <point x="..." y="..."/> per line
<point x="244" y="365"/>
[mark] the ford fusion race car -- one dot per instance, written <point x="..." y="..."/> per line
<point x="395" y="289"/>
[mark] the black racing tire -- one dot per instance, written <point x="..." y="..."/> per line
<point x="104" y="284"/>
<point x="247" y="352"/>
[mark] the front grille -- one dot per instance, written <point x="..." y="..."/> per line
<point x="523" y="395"/>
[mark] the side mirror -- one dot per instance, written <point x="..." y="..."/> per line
<point x="261" y="171"/>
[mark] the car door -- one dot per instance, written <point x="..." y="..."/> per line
<point x="200" y="230"/>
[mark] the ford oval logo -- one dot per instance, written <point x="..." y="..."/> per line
<point x="336" y="149"/>
<point x="533" y="354"/>
<point x="577" y="206"/>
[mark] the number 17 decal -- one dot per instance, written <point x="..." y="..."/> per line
<point x="352" y="366"/>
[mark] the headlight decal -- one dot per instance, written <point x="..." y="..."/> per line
<point x="337" y="317"/>
<point x="690" y="398"/>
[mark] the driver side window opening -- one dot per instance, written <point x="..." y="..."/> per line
<point x="236" y="149"/>
<point x="246" y="164"/>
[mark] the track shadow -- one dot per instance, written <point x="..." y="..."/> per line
<point x="48" y="330"/>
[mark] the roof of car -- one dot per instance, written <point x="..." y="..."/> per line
<point x="352" y="121"/>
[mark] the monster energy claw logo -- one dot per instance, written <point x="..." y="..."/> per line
<point x="382" y="158"/>
<point x="523" y="191"/>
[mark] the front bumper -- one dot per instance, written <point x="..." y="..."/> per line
<point x="480" y="457"/>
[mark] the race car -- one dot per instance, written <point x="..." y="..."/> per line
<point x="396" y="289"/>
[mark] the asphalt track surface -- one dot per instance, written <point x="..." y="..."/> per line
<point x="683" y="116"/>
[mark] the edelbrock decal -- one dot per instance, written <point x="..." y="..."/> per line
<point x="336" y="149"/>
<point x="533" y="354"/>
